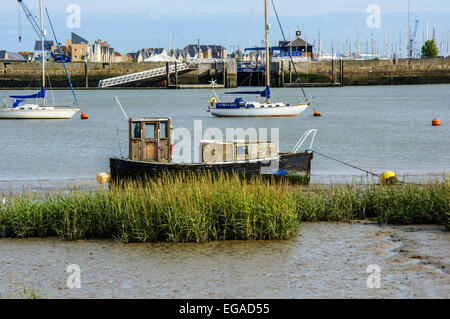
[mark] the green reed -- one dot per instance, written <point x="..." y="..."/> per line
<point x="20" y="290"/>
<point x="199" y="208"/>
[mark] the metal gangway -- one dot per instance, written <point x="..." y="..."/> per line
<point x="144" y="75"/>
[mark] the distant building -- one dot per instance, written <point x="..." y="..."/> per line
<point x="253" y="57"/>
<point x="29" y="56"/>
<point x="296" y="48"/>
<point x="7" y="56"/>
<point x="102" y="52"/>
<point x="176" y="54"/>
<point x="195" y="51"/>
<point x="158" y="51"/>
<point x="38" y="50"/>
<point x="192" y="51"/>
<point x="77" y="48"/>
<point x="147" y="54"/>
<point x="132" y="56"/>
<point x="121" y="58"/>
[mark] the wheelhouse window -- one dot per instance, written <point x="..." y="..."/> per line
<point x="242" y="150"/>
<point x="163" y="130"/>
<point x="137" y="130"/>
<point x="150" y="130"/>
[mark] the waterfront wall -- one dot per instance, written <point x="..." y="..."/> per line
<point x="377" y="72"/>
<point x="28" y="75"/>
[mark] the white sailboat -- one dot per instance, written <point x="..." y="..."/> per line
<point x="242" y="108"/>
<point x="22" y="110"/>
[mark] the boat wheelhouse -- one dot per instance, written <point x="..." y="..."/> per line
<point x="151" y="147"/>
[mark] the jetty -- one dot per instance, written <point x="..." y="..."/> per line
<point x="149" y="74"/>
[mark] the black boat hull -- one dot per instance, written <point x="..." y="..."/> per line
<point x="292" y="166"/>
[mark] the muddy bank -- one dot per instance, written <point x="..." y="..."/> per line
<point x="325" y="260"/>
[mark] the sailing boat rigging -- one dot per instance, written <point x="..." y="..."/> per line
<point x="242" y="108"/>
<point x="40" y="110"/>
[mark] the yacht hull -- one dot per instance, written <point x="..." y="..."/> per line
<point x="282" y="111"/>
<point x="39" y="113"/>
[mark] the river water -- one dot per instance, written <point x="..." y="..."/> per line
<point x="325" y="260"/>
<point x="377" y="128"/>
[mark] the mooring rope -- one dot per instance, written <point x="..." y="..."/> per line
<point x="344" y="163"/>
<point x="361" y="169"/>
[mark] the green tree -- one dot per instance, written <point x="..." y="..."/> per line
<point x="429" y="49"/>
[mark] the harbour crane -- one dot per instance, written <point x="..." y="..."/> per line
<point x="412" y="40"/>
<point x="35" y="24"/>
<point x="31" y="17"/>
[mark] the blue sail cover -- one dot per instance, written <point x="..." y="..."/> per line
<point x="264" y="93"/>
<point x="38" y="95"/>
<point x="17" y="102"/>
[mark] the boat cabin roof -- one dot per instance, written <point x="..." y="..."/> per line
<point x="150" y="119"/>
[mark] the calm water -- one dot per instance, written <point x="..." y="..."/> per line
<point x="377" y="128"/>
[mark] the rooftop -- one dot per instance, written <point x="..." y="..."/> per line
<point x="47" y="45"/>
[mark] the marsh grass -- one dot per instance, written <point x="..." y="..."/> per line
<point x="20" y="290"/>
<point x="199" y="208"/>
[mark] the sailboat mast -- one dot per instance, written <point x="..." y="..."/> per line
<point x="267" y="47"/>
<point x="41" y="8"/>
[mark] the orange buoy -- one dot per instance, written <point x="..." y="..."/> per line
<point x="317" y="113"/>
<point x="84" y="116"/>
<point x="436" y="122"/>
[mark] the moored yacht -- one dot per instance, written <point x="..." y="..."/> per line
<point x="38" y="110"/>
<point x="242" y="108"/>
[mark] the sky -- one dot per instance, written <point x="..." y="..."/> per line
<point x="134" y="24"/>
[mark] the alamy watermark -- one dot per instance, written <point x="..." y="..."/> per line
<point x="374" y="279"/>
<point x="74" y="19"/>
<point x="74" y="279"/>
<point x="374" y="19"/>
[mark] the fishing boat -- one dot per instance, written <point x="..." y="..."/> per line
<point x="150" y="154"/>
<point x="242" y="108"/>
<point x="38" y="110"/>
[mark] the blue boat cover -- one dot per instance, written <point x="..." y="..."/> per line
<point x="17" y="102"/>
<point x="264" y="93"/>
<point x="238" y="102"/>
<point x="38" y="95"/>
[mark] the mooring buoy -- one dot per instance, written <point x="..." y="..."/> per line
<point x="103" y="178"/>
<point x="317" y="113"/>
<point x="388" y="177"/>
<point x="436" y="122"/>
<point x="84" y="116"/>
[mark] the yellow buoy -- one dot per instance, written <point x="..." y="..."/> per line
<point x="212" y="101"/>
<point x="388" y="177"/>
<point x="103" y="178"/>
